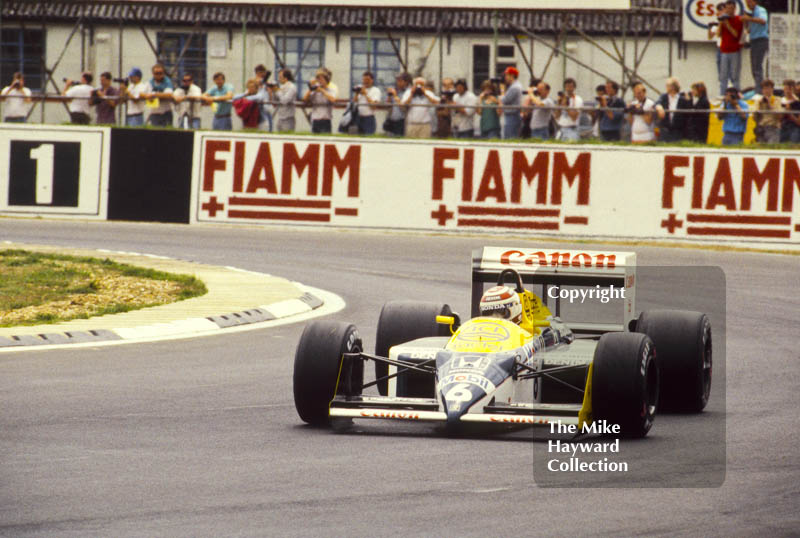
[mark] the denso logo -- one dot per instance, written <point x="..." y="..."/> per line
<point x="391" y="414"/>
<point x="565" y="259"/>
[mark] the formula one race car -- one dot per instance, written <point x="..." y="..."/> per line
<point x="535" y="371"/>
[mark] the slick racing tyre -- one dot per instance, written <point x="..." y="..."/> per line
<point x="625" y="382"/>
<point x="316" y="367"/>
<point x="402" y="321"/>
<point x="683" y="348"/>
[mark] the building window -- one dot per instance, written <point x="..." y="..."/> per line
<point x="22" y="50"/>
<point x="193" y="60"/>
<point x="311" y="50"/>
<point x="383" y="61"/>
<point x="481" y="65"/>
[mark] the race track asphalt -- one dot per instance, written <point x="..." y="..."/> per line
<point x="199" y="437"/>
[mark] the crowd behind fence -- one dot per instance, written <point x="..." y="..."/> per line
<point x="500" y="109"/>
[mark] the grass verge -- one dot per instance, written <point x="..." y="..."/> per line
<point x="38" y="288"/>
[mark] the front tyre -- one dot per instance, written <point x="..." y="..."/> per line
<point x="317" y="363"/>
<point x="683" y="346"/>
<point x="401" y="322"/>
<point x="625" y="382"/>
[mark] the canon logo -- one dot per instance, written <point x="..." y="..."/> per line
<point x="580" y="259"/>
<point x="390" y="414"/>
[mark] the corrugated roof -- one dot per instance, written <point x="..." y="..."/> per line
<point x="663" y="15"/>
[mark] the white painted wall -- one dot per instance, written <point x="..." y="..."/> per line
<point x="104" y="55"/>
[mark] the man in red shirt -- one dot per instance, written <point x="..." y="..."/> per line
<point x="730" y="32"/>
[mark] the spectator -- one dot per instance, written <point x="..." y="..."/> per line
<point x="511" y="100"/>
<point x="16" y="98"/>
<point x="79" y="94"/>
<point x="321" y="98"/>
<point x="286" y="95"/>
<point x="567" y="119"/>
<point x="133" y="91"/>
<point x="713" y="31"/>
<point x="187" y="96"/>
<point x="697" y="122"/>
<point x="490" y="119"/>
<point x="262" y="74"/>
<point x="248" y="104"/>
<point x="588" y="121"/>
<point x="610" y="124"/>
<point x="160" y="87"/>
<point x="219" y="97"/>
<point x="444" y="119"/>
<point x="640" y="115"/>
<point x="395" y="123"/>
<point x="464" y="117"/>
<point x="734" y="123"/>
<point x="418" y="115"/>
<point x="730" y="32"/>
<point x="527" y="108"/>
<point x="367" y="95"/>
<point x="790" y="124"/>
<point x="105" y="107"/>
<point x="757" y="23"/>
<point x="672" y="123"/>
<point x="768" y="126"/>
<point x="542" y="112"/>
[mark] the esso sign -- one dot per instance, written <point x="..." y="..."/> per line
<point x="697" y="14"/>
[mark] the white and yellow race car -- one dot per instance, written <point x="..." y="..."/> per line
<point x="598" y="376"/>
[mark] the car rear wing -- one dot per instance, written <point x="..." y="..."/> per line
<point x="557" y="268"/>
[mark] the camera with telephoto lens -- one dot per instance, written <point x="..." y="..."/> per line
<point x="447" y="95"/>
<point x="497" y="80"/>
<point x="120" y="80"/>
<point x="357" y="89"/>
<point x="633" y="109"/>
<point x="73" y="83"/>
<point x="313" y="85"/>
<point x="418" y="91"/>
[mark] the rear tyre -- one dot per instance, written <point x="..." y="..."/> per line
<point x="683" y="346"/>
<point x="402" y="321"/>
<point x="317" y="364"/>
<point x="625" y="382"/>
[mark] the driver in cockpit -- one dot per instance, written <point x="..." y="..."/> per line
<point x="504" y="302"/>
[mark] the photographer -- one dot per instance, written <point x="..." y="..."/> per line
<point x="443" y="127"/>
<point x="321" y="98"/>
<point x="187" y="97"/>
<point x="768" y="126"/>
<point x="395" y="123"/>
<point x="104" y="106"/>
<point x="262" y="74"/>
<point x="567" y="119"/>
<point x="367" y="96"/>
<point x="734" y="123"/>
<point x="640" y="115"/>
<point x="464" y="118"/>
<point x="133" y="89"/>
<point x="511" y="98"/>
<point x="542" y="110"/>
<point x="610" y="124"/>
<point x="16" y="98"/>
<point x="419" y="116"/>
<point x="671" y="122"/>
<point x="757" y="24"/>
<point x="790" y="124"/>
<point x="285" y="94"/>
<point x="729" y="31"/>
<point x="79" y="94"/>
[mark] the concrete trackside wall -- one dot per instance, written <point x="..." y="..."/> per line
<point x="150" y="175"/>
<point x="442" y="185"/>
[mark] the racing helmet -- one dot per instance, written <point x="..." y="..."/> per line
<point x="502" y="302"/>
